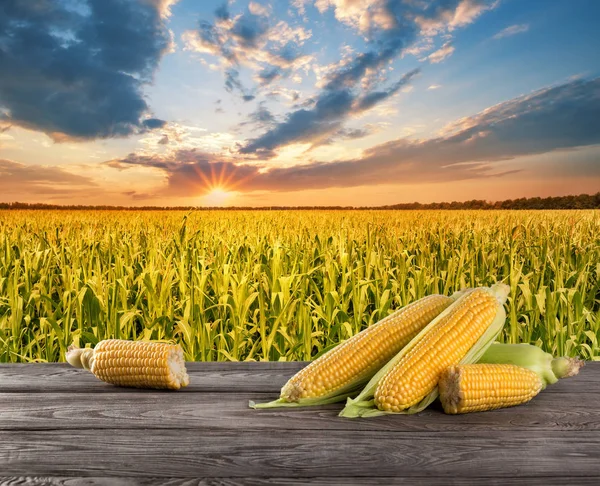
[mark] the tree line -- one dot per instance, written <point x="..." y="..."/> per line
<point x="581" y="201"/>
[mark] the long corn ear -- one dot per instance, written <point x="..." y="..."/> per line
<point x="549" y="368"/>
<point x="342" y="371"/>
<point x="481" y="387"/>
<point x="424" y="347"/>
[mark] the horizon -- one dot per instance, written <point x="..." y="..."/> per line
<point x="301" y="103"/>
<point x="592" y="202"/>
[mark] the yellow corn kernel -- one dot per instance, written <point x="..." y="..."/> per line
<point x="479" y="387"/>
<point x="359" y="358"/>
<point x="140" y="364"/>
<point x="417" y="373"/>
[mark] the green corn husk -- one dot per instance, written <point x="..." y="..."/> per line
<point x="364" y="404"/>
<point x="548" y="368"/>
<point x="339" y="395"/>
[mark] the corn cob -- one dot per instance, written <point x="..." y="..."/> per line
<point x="508" y="375"/>
<point x="417" y="373"/>
<point x="408" y="383"/>
<point x="343" y="369"/>
<point x="479" y="387"/>
<point x="139" y="364"/>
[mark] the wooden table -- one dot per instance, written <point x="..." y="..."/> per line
<point x="58" y="424"/>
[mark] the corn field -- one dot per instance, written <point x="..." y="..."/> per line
<point x="284" y="285"/>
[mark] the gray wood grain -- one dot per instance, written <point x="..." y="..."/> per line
<point x="60" y="426"/>
<point x="298" y="453"/>
<point x="218" y="411"/>
<point x="211" y="377"/>
<point x="314" y="481"/>
<point x="222" y="377"/>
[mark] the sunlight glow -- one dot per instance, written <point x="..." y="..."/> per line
<point x="216" y="197"/>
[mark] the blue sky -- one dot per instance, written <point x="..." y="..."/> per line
<point x="144" y="102"/>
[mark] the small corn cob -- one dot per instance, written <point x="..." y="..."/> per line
<point x="417" y="373"/>
<point x="139" y="364"/>
<point x="352" y="363"/>
<point x="507" y="375"/>
<point x="480" y="387"/>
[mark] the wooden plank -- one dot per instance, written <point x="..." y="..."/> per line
<point x="314" y="481"/>
<point x="208" y="377"/>
<point x="204" y="377"/>
<point x="298" y="454"/>
<point x="214" y="411"/>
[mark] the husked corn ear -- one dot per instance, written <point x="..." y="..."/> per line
<point x="358" y="358"/>
<point x="479" y="387"/>
<point x="417" y="373"/>
<point x="139" y="364"/>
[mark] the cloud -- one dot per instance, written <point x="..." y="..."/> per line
<point x="250" y="39"/>
<point x="300" y="5"/>
<point x="321" y="120"/>
<point x="261" y="117"/>
<point x="233" y="83"/>
<point x="347" y="134"/>
<point x="175" y="136"/>
<point x="5" y="136"/>
<point x="385" y="45"/>
<point x="78" y="73"/>
<point x="555" y="118"/>
<point x="162" y="6"/>
<point x="153" y="123"/>
<point x="258" y="9"/>
<point x="431" y="87"/>
<point x="353" y="133"/>
<point x="304" y="125"/>
<point x="267" y="76"/>
<point x="363" y="15"/>
<point x="189" y="171"/>
<point x="324" y="118"/>
<point x="390" y="28"/>
<point x="449" y="15"/>
<point x="222" y="12"/>
<point x="442" y="53"/>
<point x="512" y="30"/>
<point x="16" y="178"/>
<point x="247" y="30"/>
<point x="375" y="97"/>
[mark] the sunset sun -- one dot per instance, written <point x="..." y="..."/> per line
<point x="216" y="196"/>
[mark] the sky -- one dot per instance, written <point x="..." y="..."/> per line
<point x="296" y="103"/>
